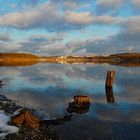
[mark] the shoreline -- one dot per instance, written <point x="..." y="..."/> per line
<point x="10" y="131"/>
<point x="24" y="59"/>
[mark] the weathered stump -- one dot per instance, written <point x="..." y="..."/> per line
<point x="81" y="100"/>
<point x="80" y="104"/>
<point x="110" y="79"/>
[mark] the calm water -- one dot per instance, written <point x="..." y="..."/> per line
<point x="48" y="88"/>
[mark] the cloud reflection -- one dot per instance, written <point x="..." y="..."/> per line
<point x="48" y="88"/>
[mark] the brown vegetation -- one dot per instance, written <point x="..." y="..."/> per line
<point x="18" y="59"/>
<point x="6" y="56"/>
<point x="126" y="56"/>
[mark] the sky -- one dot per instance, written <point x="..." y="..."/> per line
<point x="65" y="27"/>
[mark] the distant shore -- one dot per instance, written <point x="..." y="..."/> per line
<point x="26" y="59"/>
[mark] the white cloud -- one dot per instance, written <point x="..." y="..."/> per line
<point x="5" y="37"/>
<point x="127" y="39"/>
<point x="110" y="2"/>
<point x="136" y="3"/>
<point x="132" y="24"/>
<point x="79" y="18"/>
<point x="104" y="6"/>
<point x="49" y="16"/>
<point x="13" y="5"/>
<point x="36" y="17"/>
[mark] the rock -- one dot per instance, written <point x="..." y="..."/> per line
<point x="25" y="117"/>
<point x="3" y="98"/>
<point x="1" y="84"/>
<point x="7" y="105"/>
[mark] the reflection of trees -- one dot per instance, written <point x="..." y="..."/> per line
<point x="18" y="63"/>
<point x="119" y="62"/>
<point x="126" y="63"/>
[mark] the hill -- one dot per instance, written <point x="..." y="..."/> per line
<point x="18" y="56"/>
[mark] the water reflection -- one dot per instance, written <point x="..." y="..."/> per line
<point x="58" y="121"/>
<point x="127" y="63"/>
<point x="49" y="88"/>
<point x="121" y="63"/>
<point x="38" y="85"/>
<point x="18" y="63"/>
<point x="110" y="95"/>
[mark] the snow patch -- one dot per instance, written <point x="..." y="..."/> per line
<point x="5" y="128"/>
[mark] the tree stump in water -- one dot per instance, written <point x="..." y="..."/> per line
<point x="80" y="104"/>
<point x="109" y="86"/>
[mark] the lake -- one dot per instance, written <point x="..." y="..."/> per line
<point x="48" y="88"/>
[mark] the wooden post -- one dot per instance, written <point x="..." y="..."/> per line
<point x="110" y="95"/>
<point x="109" y="86"/>
<point x="110" y="79"/>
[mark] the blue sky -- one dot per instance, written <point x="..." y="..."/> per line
<point x="59" y="27"/>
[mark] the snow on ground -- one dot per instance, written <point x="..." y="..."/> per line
<point x="5" y="128"/>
